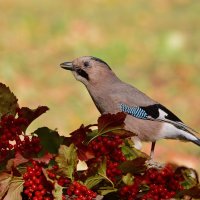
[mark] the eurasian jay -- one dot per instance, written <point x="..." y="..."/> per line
<point x="148" y="119"/>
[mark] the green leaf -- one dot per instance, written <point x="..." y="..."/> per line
<point x="93" y="181"/>
<point x="15" y="189"/>
<point x="57" y="192"/>
<point x="49" y="139"/>
<point x="106" y="190"/>
<point x="190" y="176"/>
<point x="67" y="160"/>
<point x="102" y="172"/>
<point x="21" y="169"/>
<point x="8" y="101"/>
<point x="130" y="151"/>
<point x="5" y="180"/>
<point x="91" y="135"/>
<point x="128" y="179"/>
<point x="144" y="187"/>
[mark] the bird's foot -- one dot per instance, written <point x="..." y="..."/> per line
<point x="153" y="164"/>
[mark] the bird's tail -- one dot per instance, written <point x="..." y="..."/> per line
<point x="197" y="142"/>
<point x="184" y="132"/>
<point x="190" y="135"/>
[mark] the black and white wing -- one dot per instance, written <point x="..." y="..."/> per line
<point x="155" y="112"/>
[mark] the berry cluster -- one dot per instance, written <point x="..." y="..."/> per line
<point x="29" y="146"/>
<point x="155" y="184"/>
<point x="12" y="138"/>
<point x="36" y="187"/>
<point x="112" y="170"/>
<point x="80" y="192"/>
<point x="109" y="146"/>
<point x="52" y="174"/>
<point x="130" y="192"/>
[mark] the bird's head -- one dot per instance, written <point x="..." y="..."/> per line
<point x="88" y="69"/>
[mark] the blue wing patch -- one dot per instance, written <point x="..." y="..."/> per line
<point x="134" y="111"/>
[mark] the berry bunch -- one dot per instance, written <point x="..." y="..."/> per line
<point x="130" y="192"/>
<point x="29" y="146"/>
<point x="158" y="184"/>
<point x="112" y="170"/>
<point x="80" y="192"/>
<point x="12" y="138"/>
<point x="109" y="146"/>
<point x="52" y="174"/>
<point x="36" y="187"/>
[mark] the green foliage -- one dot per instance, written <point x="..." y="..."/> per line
<point x="102" y="172"/>
<point x="49" y="139"/>
<point x="93" y="180"/>
<point x="128" y="179"/>
<point x="57" y="192"/>
<point x="67" y="160"/>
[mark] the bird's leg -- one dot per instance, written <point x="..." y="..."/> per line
<point x="152" y="149"/>
<point x="151" y="163"/>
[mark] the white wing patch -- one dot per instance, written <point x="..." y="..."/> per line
<point x="162" y="114"/>
<point x="169" y="131"/>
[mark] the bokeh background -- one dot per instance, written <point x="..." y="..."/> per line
<point x="154" y="45"/>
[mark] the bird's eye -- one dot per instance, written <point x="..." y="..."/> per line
<point x="86" y="64"/>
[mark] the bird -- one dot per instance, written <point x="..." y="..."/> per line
<point x="147" y="118"/>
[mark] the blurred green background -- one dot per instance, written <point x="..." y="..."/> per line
<point x="153" y="45"/>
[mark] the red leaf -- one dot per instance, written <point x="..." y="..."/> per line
<point x="134" y="166"/>
<point x="44" y="159"/>
<point x="14" y="162"/>
<point x="84" y="153"/>
<point x="19" y="159"/>
<point x="193" y="192"/>
<point x="79" y="135"/>
<point x="109" y="121"/>
<point x="30" y="115"/>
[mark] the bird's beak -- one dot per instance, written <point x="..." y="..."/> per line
<point x="67" y="65"/>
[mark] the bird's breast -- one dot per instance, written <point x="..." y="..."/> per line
<point x="104" y="102"/>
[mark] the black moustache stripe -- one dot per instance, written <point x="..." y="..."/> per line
<point x="82" y="73"/>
